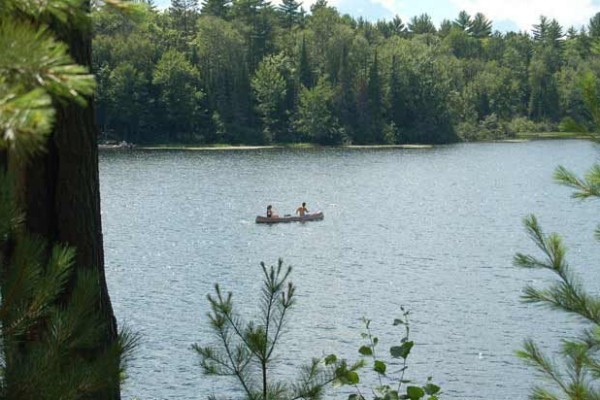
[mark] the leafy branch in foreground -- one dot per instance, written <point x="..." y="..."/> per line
<point x="56" y="341"/>
<point x="577" y="378"/>
<point x="388" y="388"/>
<point x="246" y="349"/>
<point x="46" y="343"/>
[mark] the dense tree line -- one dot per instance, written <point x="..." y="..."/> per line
<point x="245" y="71"/>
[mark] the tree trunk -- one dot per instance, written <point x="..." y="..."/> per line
<point x="60" y="188"/>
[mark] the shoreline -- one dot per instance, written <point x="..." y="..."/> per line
<point x="267" y="147"/>
<point x="519" y="138"/>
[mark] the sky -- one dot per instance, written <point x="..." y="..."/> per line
<point x="507" y="15"/>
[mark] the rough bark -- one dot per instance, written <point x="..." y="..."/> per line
<point x="60" y="188"/>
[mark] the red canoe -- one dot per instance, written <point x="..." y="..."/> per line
<point x="318" y="216"/>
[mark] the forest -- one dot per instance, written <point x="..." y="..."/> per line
<point x="249" y="72"/>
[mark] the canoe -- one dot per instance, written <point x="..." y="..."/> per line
<point x="318" y="216"/>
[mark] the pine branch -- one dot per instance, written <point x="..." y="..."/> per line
<point x="542" y="394"/>
<point x="584" y="188"/>
<point x="31" y="57"/>
<point x="532" y="355"/>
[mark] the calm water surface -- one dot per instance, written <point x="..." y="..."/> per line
<point x="434" y="230"/>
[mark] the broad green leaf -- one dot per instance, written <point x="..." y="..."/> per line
<point x="398" y="321"/>
<point x="431" y="389"/>
<point x="415" y="392"/>
<point x="401" y="351"/>
<point x="366" y="351"/>
<point x="380" y="367"/>
<point x="391" y="395"/>
<point x="352" y="378"/>
<point x="330" y="359"/>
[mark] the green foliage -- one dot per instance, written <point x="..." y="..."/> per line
<point x="525" y="125"/>
<point x="46" y="344"/>
<point x="314" y="119"/>
<point x="180" y="95"/>
<point x="270" y="89"/>
<point x="568" y="124"/>
<point x="577" y="377"/>
<point x="481" y="27"/>
<point x="51" y="325"/>
<point x="591" y="97"/>
<point x="245" y="350"/>
<point x="34" y="67"/>
<point x="392" y="81"/>
<point x="389" y="388"/>
<point x="421" y="25"/>
<point x="490" y="128"/>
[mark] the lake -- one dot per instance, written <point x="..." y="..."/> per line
<point x="434" y="230"/>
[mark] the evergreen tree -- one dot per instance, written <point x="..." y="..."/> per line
<point x="345" y="95"/>
<point x="59" y="336"/>
<point x="555" y="33"/>
<point x="290" y="13"/>
<point x="540" y="30"/>
<point x="594" y="26"/>
<point x="481" y="27"/>
<point x="319" y="4"/>
<point x="399" y="28"/>
<point x="375" y="96"/>
<point x="421" y="24"/>
<point x="216" y="8"/>
<point x="463" y="21"/>
<point x="184" y="13"/>
<point x="445" y="28"/>
<point x="577" y="377"/>
<point x="544" y="97"/>
<point x="397" y="101"/>
<point x="335" y="47"/>
<point x="243" y="345"/>
<point x="305" y="74"/>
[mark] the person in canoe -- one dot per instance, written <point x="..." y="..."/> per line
<point x="302" y="210"/>
<point x="270" y="212"/>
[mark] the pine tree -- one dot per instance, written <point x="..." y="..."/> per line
<point x="374" y="92"/>
<point x="481" y="27"/>
<point x="184" y="13"/>
<point x="345" y="103"/>
<point x="540" y="31"/>
<point x="216" y="8"/>
<point x="421" y="24"/>
<point x="244" y="345"/>
<point x="305" y="74"/>
<point x="58" y="330"/>
<point x="578" y="377"/>
<point x="463" y="22"/>
<point x="398" y="26"/>
<point x="594" y="26"/>
<point x="397" y="102"/>
<point x="290" y="13"/>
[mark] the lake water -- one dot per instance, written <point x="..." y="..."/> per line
<point x="434" y="230"/>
